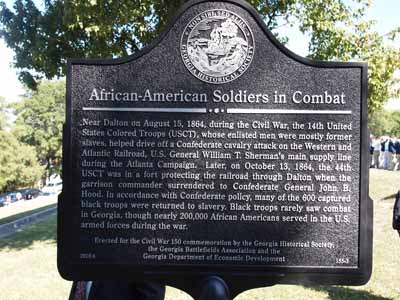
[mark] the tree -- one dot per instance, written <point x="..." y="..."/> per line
<point x="3" y="113"/>
<point x="339" y="33"/>
<point x="385" y="123"/>
<point x="18" y="163"/>
<point x="43" y="39"/>
<point x="39" y="122"/>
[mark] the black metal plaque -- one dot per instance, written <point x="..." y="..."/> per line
<point x="216" y="151"/>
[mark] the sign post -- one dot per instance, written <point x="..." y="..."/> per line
<point x="216" y="151"/>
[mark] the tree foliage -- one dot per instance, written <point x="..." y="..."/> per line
<point x="19" y="167"/>
<point x="40" y="116"/>
<point x="18" y="163"/>
<point x="3" y="113"/>
<point x="44" y="38"/>
<point x="340" y="33"/>
<point x="385" y="123"/>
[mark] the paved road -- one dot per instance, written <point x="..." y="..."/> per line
<point x="10" y="228"/>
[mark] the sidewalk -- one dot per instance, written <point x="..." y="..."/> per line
<point x="10" y="228"/>
<point x="25" y="206"/>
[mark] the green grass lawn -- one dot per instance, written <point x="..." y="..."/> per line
<point x="28" y="261"/>
<point x="28" y="265"/>
<point x="383" y="185"/>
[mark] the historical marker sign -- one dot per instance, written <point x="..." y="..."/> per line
<point x="216" y="151"/>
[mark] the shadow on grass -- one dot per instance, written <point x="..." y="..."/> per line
<point x="43" y="231"/>
<point x="346" y="293"/>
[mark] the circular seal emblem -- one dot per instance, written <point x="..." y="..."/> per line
<point x="217" y="46"/>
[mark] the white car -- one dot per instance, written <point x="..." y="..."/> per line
<point x="52" y="188"/>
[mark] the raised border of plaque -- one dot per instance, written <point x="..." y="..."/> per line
<point x="239" y="278"/>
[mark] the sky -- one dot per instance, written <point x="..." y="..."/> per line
<point x="384" y="11"/>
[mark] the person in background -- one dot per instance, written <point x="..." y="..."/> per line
<point x="19" y="196"/>
<point x="371" y="151"/>
<point x="376" y="145"/>
<point x="396" y="155"/>
<point x="8" y="200"/>
<point x="387" y="149"/>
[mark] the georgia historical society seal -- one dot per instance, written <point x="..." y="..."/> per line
<point x="217" y="46"/>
